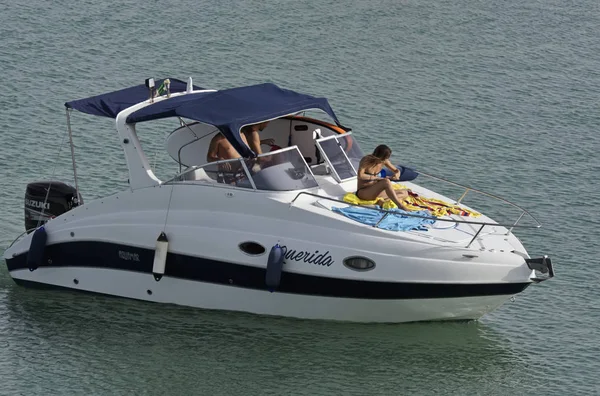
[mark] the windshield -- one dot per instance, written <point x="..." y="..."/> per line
<point x="282" y="170"/>
<point x="342" y="154"/>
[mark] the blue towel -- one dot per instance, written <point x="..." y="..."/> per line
<point x="396" y="221"/>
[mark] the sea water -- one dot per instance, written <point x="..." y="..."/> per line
<point x="498" y="95"/>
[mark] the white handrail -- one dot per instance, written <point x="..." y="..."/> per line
<point x="468" y="189"/>
<point x="412" y="214"/>
<point x="387" y="212"/>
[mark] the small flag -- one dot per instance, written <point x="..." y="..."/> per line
<point x="164" y="87"/>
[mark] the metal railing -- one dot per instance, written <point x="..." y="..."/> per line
<point x="468" y="189"/>
<point x="196" y="139"/>
<point x="21" y="235"/>
<point x="387" y="212"/>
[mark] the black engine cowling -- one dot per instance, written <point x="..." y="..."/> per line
<point x="38" y="209"/>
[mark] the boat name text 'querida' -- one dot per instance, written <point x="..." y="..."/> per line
<point x="308" y="257"/>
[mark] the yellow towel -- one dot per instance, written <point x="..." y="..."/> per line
<point x="437" y="207"/>
<point x="387" y="204"/>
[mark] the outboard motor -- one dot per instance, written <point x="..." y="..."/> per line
<point x="39" y="209"/>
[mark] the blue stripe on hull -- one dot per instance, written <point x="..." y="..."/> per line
<point x="127" y="258"/>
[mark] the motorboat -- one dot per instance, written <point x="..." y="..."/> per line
<point x="263" y="233"/>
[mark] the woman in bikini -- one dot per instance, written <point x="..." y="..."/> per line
<point x="372" y="187"/>
<point x="384" y="153"/>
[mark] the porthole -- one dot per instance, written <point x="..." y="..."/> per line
<point x="252" y="248"/>
<point x="358" y="263"/>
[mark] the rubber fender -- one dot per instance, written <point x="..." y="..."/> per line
<point x="274" y="268"/>
<point x="35" y="256"/>
<point x="160" y="256"/>
<point x="406" y="174"/>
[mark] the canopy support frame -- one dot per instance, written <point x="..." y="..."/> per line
<point x="76" y="199"/>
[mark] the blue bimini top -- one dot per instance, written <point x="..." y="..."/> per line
<point x="228" y="110"/>
<point x="112" y="103"/>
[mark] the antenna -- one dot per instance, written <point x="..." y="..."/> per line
<point x="190" y="86"/>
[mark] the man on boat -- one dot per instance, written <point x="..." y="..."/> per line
<point x="250" y="133"/>
<point x="221" y="149"/>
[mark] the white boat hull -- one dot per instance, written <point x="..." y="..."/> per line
<point x="169" y="290"/>
<point x="108" y="246"/>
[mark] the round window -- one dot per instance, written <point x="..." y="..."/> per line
<point x="358" y="263"/>
<point x="252" y="248"/>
